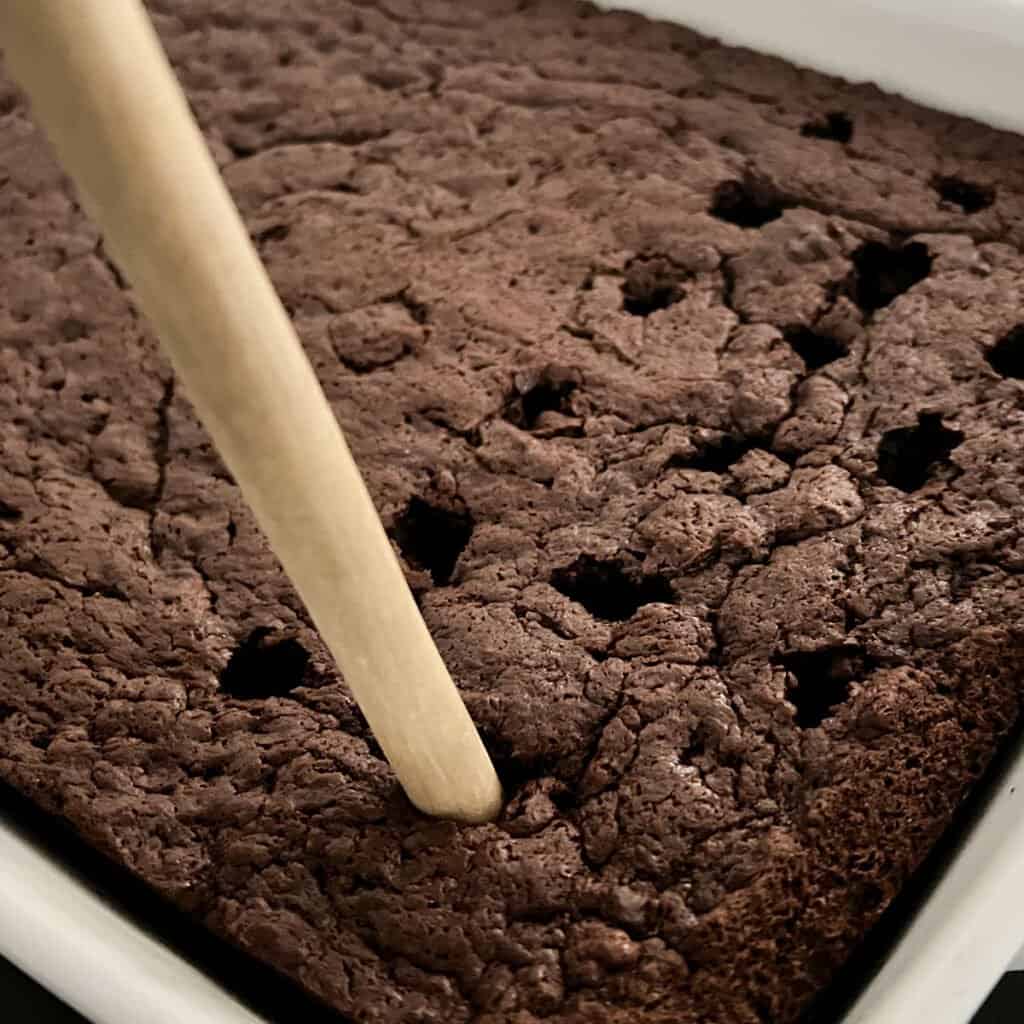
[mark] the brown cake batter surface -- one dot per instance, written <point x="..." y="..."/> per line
<point x="689" y="386"/>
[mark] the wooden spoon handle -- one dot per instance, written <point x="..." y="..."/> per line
<point x="101" y="86"/>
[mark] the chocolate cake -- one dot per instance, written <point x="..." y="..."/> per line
<point x="688" y="384"/>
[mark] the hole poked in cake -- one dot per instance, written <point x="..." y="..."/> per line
<point x="8" y="513"/>
<point x="907" y="456"/>
<point x="534" y="797"/>
<point x="834" y="126"/>
<point x="432" y="536"/>
<point x="652" y="283"/>
<point x="748" y="204"/>
<point x="882" y="272"/>
<point x="537" y="392"/>
<point x="608" y="589"/>
<point x="820" y="681"/>
<point x="265" y="664"/>
<point x="816" y="347"/>
<point x="969" y="196"/>
<point x="72" y="329"/>
<point x="1006" y="357"/>
<point x="717" y="455"/>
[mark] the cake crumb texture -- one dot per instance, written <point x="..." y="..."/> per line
<point x="689" y="387"/>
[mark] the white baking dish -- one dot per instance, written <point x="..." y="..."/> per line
<point x="966" y="57"/>
<point x="86" y="952"/>
<point x="963" y="56"/>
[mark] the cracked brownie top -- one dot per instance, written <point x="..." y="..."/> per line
<point x="688" y="385"/>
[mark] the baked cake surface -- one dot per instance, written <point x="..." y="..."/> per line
<point x="688" y="384"/>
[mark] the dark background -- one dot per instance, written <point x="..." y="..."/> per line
<point x="27" y="1003"/>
